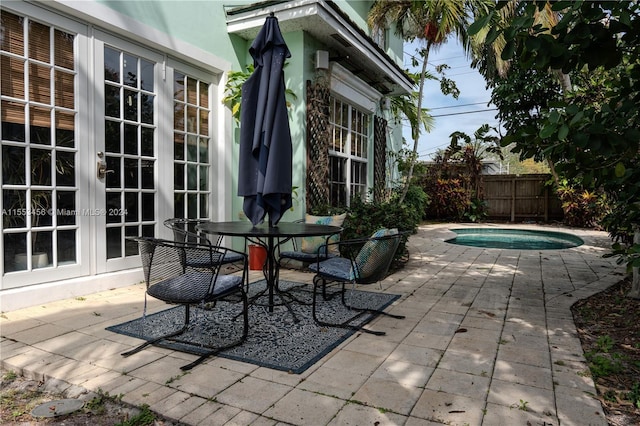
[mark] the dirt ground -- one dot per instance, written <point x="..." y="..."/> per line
<point x="20" y="395"/>
<point x="608" y="325"/>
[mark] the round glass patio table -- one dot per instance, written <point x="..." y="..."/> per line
<point x="269" y="237"/>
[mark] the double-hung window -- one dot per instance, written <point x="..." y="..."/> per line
<point x="348" y="153"/>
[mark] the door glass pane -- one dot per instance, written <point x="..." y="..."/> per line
<point x="41" y="202"/>
<point x="130" y="139"/>
<point x="111" y="101"/>
<point x="112" y="136"/>
<point x="148" y="230"/>
<point x="63" y="50"/>
<point x="131" y="247"/>
<point x="192" y="176"/>
<point x="66" y="208"/>
<point x="178" y="177"/>
<point x="40" y="83"/>
<point x="64" y="92"/>
<point x="178" y="204"/>
<point x="40" y="167"/>
<point x="204" y="178"/>
<point x="192" y="148"/>
<point x="114" y="206"/>
<point x="42" y="254"/>
<point x="111" y="65"/>
<point x="65" y="129"/>
<point x="65" y="172"/>
<point x="204" y="151"/>
<point x="178" y="146"/>
<point x="146" y="142"/>
<point x="204" y="205"/>
<point x="147" y="109"/>
<point x="147" y="174"/>
<point x="146" y="75"/>
<point x="131" y="171"/>
<point x="130" y="207"/>
<point x="113" y="178"/>
<point x="192" y="205"/>
<point x="130" y="70"/>
<point x="130" y="105"/>
<point x="13" y="162"/>
<point x="66" y="246"/>
<point x="114" y="243"/>
<point x="13" y="119"/>
<point x="40" y="129"/>
<point x="14" y="204"/>
<point x="148" y="208"/>
<point x="15" y="258"/>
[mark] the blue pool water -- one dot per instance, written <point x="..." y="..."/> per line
<point x="518" y="239"/>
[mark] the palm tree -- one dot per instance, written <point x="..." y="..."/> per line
<point x="488" y="43"/>
<point x="431" y="22"/>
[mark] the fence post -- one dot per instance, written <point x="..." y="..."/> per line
<point x="546" y="203"/>
<point x="513" y="199"/>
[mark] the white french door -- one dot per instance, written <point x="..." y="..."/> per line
<point x="128" y="109"/>
<point x="152" y="146"/>
<point x="102" y="139"/>
<point x="44" y="190"/>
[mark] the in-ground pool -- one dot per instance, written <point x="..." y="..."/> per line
<point x="518" y="239"/>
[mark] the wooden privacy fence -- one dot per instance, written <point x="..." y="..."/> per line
<point x="521" y="198"/>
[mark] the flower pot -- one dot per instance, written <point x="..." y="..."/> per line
<point x="257" y="257"/>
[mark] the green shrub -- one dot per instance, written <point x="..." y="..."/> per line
<point x="417" y="200"/>
<point x="449" y="199"/>
<point x="477" y="210"/>
<point x="364" y="218"/>
<point x="581" y="207"/>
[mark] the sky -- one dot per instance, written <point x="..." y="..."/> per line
<point x="465" y="114"/>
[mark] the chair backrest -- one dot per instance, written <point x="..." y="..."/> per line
<point x="165" y="259"/>
<point x="374" y="258"/>
<point x="184" y="230"/>
<point x="318" y="244"/>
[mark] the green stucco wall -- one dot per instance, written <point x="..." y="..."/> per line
<point x="203" y="24"/>
<point x="200" y="23"/>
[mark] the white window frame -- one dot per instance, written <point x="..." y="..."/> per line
<point x="349" y="89"/>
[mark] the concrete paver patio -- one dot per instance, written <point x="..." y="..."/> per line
<point x="488" y="339"/>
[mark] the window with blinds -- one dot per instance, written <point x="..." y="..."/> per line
<point x="38" y="113"/>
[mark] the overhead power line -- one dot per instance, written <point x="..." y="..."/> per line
<point x="457" y="106"/>
<point x="465" y="112"/>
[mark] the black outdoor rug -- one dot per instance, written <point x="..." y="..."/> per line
<point x="275" y="340"/>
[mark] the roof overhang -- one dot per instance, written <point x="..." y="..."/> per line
<point x="347" y="43"/>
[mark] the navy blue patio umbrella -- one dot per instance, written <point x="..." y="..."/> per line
<point x="264" y="178"/>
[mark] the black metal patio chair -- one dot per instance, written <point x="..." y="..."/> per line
<point x="184" y="230"/>
<point x="172" y="278"/>
<point x="362" y="261"/>
<point x="313" y="249"/>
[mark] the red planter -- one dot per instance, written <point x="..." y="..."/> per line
<point x="257" y="257"/>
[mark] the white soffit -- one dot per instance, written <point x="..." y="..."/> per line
<point x="346" y="43"/>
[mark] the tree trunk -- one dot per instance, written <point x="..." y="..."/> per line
<point x="565" y="81"/>
<point x="416" y="133"/>
<point x="635" y="282"/>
